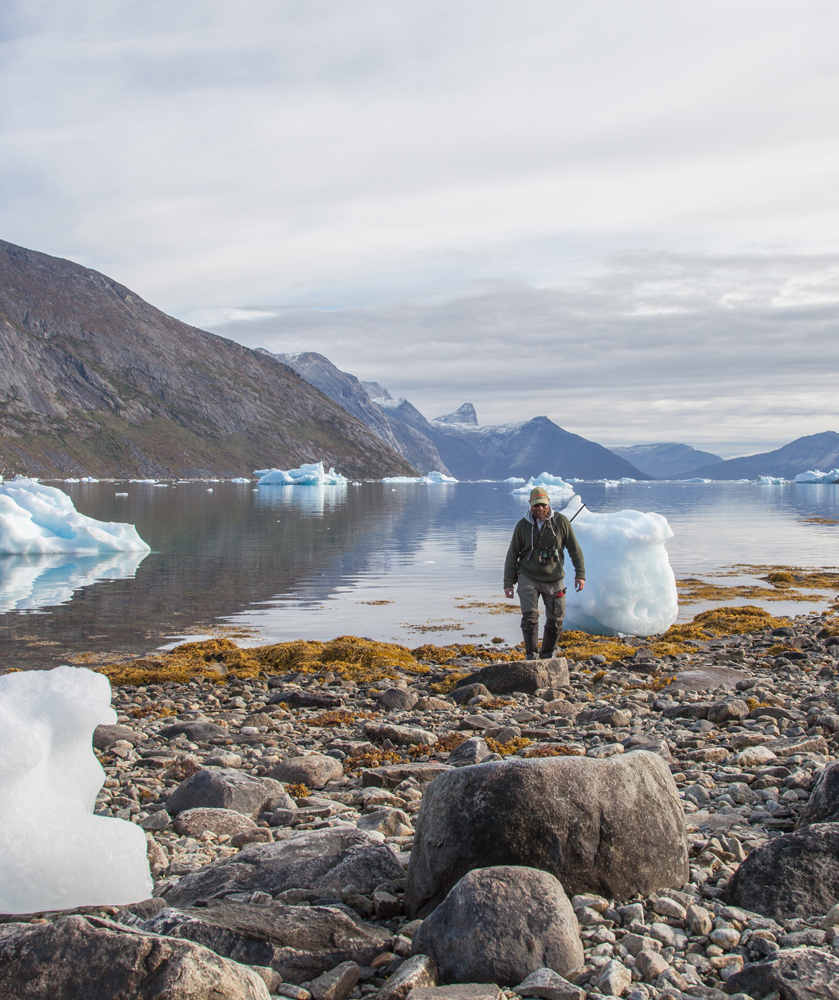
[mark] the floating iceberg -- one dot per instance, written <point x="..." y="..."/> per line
<point x="240" y="479"/>
<point x="815" y="476"/>
<point x="306" y="475"/>
<point x="36" y="519"/>
<point x="697" y="480"/>
<point x="515" y="479"/>
<point x="557" y="488"/>
<point x="55" y="853"/>
<point x="432" y="477"/>
<point x="630" y="586"/>
<point x="767" y="481"/>
<point x="29" y="583"/>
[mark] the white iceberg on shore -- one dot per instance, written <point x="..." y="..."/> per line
<point x="312" y="474"/>
<point x="815" y="476"/>
<point x="36" y="519"/>
<point x="630" y="585"/>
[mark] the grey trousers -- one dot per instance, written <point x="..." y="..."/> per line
<point x="553" y="595"/>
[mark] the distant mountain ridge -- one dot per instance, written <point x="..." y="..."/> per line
<point x="814" y="451"/>
<point x="666" y="460"/>
<point x="97" y="381"/>
<point x="455" y="443"/>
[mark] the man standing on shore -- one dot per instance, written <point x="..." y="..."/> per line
<point x="535" y="559"/>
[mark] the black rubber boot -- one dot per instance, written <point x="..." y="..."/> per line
<point x="531" y="641"/>
<point x="549" y="640"/>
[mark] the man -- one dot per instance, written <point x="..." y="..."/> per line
<point x="535" y="558"/>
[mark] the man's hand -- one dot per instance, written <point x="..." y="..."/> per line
<point x="579" y="584"/>
<point x="508" y="592"/>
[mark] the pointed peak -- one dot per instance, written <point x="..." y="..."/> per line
<point x="462" y="415"/>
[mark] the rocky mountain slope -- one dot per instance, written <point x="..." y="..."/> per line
<point x="815" y="451"/>
<point x="97" y="381"/>
<point x="666" y="460"/>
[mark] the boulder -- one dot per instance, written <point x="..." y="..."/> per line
<point x="327" y="859"/>
<point x="471" y="751"/>
<point x="797" y="974"/>
<point x="200" y="731"/>
<point x="391" y="775"/>
<point x="459" y="991"/>
<point x="397" y="700"/>
<point x="794" y="875"/>
<point x="223" y="822"/>
<point x="336" y="984"/>
<point x="226" y="788"/>
<point x="549" y="985"/>
<point x="306" y="699"/>
<point x="527" y="676"/>
<point x="608" y="715"/>
<point x="823" y="804"/>
<point x="400" y="735"/>
<point x="93" y="957"/>
<point x="105" y="736"/>
<point x="388" y="822"/>
<point x="463" y="694"/>
<point x="709" y="679"/>
<point x="729" y="710"/>
<point x="613" y="826"/>
<point x="298" y="942"/>
<point x="498" y="925"/>
<point x="416" y="973"/>
<point x="314" y="770"/>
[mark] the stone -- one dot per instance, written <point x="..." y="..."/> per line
<point x="391" y="775"/>
<point x="823" y="804"/>
<point x="699" y="921"/>
<point x="433" y="705"/>
<point x="397" y="700"/>
<point x="471" y="751"/>
<point x="527" y="676"/>
<point x="730" y="710"/>
<point x="159" y="820"/>
<point x="754" y="757"/>
<point x="400" y="735"/>
<point x="314" y="770"/>
<point x="298" y="942"/>
<point x="500" y="924"/>
<point x="786" y="746"/>
<point x="462" y="695"/>
<point x="796" y="974"/>
<point x="306" y="699"/>
<point x="604" y="750"/>
<point x="617" y="718"/>
<point x="195" y="731"/>
<point x="337" y="984"/>
<point x="651" y="965"/>
<point x="458" y="991"/>
<point x="93" y="957"/>
<point x="613" y="979"/>
<point x="549" y="985"/>
<point x="709" y="678"/>
<point x="614" y="827"/>
<point x="389" y="822"/>
<point x="225" y="788"/>
<point x="415" y="973"/>
<point x="794" y="875"/>
<point x="223" y="822"/>
<point x="105" y="736"/>
<point x="327" y="859"/>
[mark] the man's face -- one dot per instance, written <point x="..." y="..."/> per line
<point x="540" y="511"/>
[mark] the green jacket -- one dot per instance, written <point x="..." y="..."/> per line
<point x="527" y="540"/>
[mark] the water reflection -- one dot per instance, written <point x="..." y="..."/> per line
<point x="312" y="500"/>
<point x="31" y="583"/>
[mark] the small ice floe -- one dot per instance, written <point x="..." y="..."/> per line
<point x="307" y="475"/>
<point x="766" y="481"/>
<point x="240" y="479"/>
<point x="432" y="477"/>
<point x="630" y="585"/>
<point x="558" y="488"/>
<point x="36" y="519"/>
<point x="815" y="476"/>
<point x="57" y="854"/>
<point x="698" y="479"/>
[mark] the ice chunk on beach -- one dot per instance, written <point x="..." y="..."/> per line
<point x="557" y="488"/>
<point x="307" y="475"/>
<point x="815" y="476"/>
<point x="630" y="586"/>
<point x="36" y="519"/>
<point x="54" y="853"/>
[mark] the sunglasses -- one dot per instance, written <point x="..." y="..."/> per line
<point x="539" y="505"/>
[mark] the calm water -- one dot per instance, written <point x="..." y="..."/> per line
<point x="304" y="562"/>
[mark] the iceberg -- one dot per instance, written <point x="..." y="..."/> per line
<point x="29" y="583"/>
<point x="240" y="479"/>
<point x="36" y="519"/>
<point x="432" y="477"/>
<point x="515" y="479"/>
<point x="557" y="488"/>
<point x="630" y="585"/>
<point x="307" y="475"/>
<point x="697" y="480"/>
<point x="815" y="476"/>
<point x="766" y="480"/>
<point x="56" y="854"/>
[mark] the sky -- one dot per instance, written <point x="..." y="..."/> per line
<point x="623" y="215"/>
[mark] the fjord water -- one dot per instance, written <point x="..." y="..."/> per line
<point x="406" y="563"/>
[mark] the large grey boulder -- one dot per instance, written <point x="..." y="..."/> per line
<point x="195" y="730"/>
<point x="612" y="826"/>
<point x="823" y="804"/>
<point x="227" y="788"/>
<point x="498" y="925"/>
<point x="527" y="676"/>
<point x="313" y="770"/>
<point x="222" y="822"/>
<point x="298" y="942"/>
<point x="797" y="974"/>
<point x="794" y="875"/>
<point x="327" y="859"/>
<point x="106" y="735"/>
<point x="471" y="751"/>
<point x="397" y="700"/>
<point x="91" y="957"/>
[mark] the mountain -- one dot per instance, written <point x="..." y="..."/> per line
<point x="462" y="415"/>
<point x="346" y="390"/>
<point x="666" y="460"/>
<point x="97" y="381"/>
<point x="815" y="451"/>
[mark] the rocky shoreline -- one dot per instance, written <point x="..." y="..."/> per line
<point x="313" y="835"/>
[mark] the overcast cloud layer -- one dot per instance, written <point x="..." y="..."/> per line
<point x="621" y="214"/>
